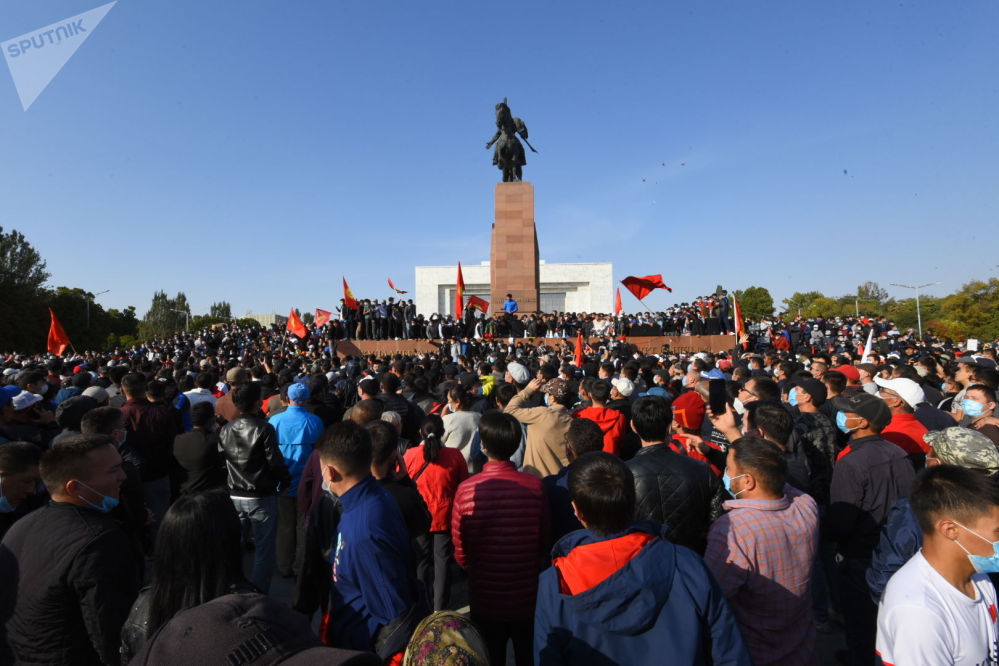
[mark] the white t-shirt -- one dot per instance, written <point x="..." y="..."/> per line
<point x="923" y="619"/>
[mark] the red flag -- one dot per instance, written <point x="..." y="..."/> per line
<point x="295" y="324"/>
<point x="398" y="291"/>
<point x="459" y="294"/>
<point x="322" y="317"/>
<point x="740" y="325"/>
<point x="577" y="354"/>
<point x="478" y="303"/>
<point x="643" y="286"/>
<point x="348" y="298"/>
<point x="618" y="308"/>
<point x="58" y="340"/>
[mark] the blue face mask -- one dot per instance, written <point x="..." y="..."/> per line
<point x="107" y="502"/>
<point x="972" y="408"/>
<point x="841" y="423"/>
<point x="984" y="564"/>
<point x="792" y="397"/>
<point x="727" y="481"/>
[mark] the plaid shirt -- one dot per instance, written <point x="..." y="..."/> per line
<point x="762" y="552"/>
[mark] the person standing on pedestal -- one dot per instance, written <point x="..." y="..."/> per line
<point x="510" y="306"/>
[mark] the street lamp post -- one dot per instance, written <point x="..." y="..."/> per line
<point x="91" y="297"/>
<point x="916" y="288"/>
<point x="187" y="318"/>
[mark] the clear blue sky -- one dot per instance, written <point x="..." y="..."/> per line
<point x="257" y="151"/>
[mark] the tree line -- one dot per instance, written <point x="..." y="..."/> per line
<point x="972" y="311"/>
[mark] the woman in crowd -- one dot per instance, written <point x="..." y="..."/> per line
<point x="437" y="470"/>
<point x="197" y="558"/>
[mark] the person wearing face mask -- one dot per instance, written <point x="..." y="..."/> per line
<point x="18" y="482"/>
<point x="865" y="483"/>
<point x="546" y="426"/>
<point x="940" y="608"/>
<point x="70" y="574"/>
<point x="761" y="553"/>
<point x="979" y="405"/>
<point x="901" y="537"/>
<point x="131" y="512"/>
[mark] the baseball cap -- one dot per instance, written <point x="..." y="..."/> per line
<point x="298" y="393"/>
<point x="624" y="386"/>
<point x="97" y="393"/>
<point x="7" y="394"/>
<point x="864" y="404"/>
<point x="688" y="410"/>
<point x="237" y="374"/>
<point x="245" y="629"/>
<point x="907" y="389"/>
<point x="814" y="388"/>
<point x="849" y="371"/>
<point x="25" y="399"/>
<point x="964" y="447"/>
<point x="70" y="411"/>
<point x="519" y="373"/>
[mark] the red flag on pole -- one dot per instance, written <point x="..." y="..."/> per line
<point x="398" y="291"/>
<point x="348" y="297"/>
<point x="618" y="308"/>
<point x="58" y="340"/>
<point x="740" y="325"/>
<point x="478" y="303"/>
<point x="459" y="294"/>
<point x="322" y="317"/>
<point x="295" y="324"/>
<point x="577" y="354"/>
<point x="643" y="286"/>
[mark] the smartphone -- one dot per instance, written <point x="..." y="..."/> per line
<point x="717" y="396"/>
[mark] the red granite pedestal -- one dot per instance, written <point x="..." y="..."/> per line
<point x="513" y="260"/>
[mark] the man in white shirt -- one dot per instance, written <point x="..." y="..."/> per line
<point x="940" y="608"/>
<point x="201" y="392"/>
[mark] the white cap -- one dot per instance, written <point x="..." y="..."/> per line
<point x="907" y="389"/>
<point x="624" y="386"/>
<point x="25" y="399"/>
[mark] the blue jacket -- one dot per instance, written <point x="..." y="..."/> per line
<point x="297" y="430"/>
<point x="661" y="605"/>
<point x="371" y="568"/>
<point x="560" y="504"/>
<point x="900" y="539"/>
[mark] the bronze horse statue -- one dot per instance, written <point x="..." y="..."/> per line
<point x="508" y="156"/>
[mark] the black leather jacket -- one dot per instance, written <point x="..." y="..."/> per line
<point x="254" y="464"/>
<point x="678" y="491"/>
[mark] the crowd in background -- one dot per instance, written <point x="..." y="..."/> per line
<point x="719" y="507"/>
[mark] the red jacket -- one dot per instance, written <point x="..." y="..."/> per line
<point x="906" y="432"/>
<point x="438" y="483"/>
<point x="611" y="421"/>
<point x="500" y="531"/>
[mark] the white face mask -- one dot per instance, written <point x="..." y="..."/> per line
<point x="739" y="408"/>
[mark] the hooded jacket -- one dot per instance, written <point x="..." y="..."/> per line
<point x="632" y="597"/>
<point x="612" y="423"/>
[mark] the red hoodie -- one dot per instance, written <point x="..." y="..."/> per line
<point x="611" y="422"/>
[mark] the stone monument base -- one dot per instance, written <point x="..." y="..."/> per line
<point x="513" y="259"/>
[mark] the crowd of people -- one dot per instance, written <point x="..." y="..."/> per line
<point x="717" y="507"/>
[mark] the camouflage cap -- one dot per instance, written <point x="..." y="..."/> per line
<point x="964" y="447"/>
<point x="557" y="388"/>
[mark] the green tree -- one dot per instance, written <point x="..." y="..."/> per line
<point x="970" y="312"/>
<point x="164" y="317"/>
<point x="23" y="317"/>
<point x="220" y="310"/>
<point x="308" y="318"/>
<point x="755" y="302"/>
<point x="799" y="302"/>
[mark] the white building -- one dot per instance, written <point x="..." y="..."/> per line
<point x="266" y="320"/>
<point x="564" y="287"/>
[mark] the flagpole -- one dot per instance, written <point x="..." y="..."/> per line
<point x="281" y="353"/>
